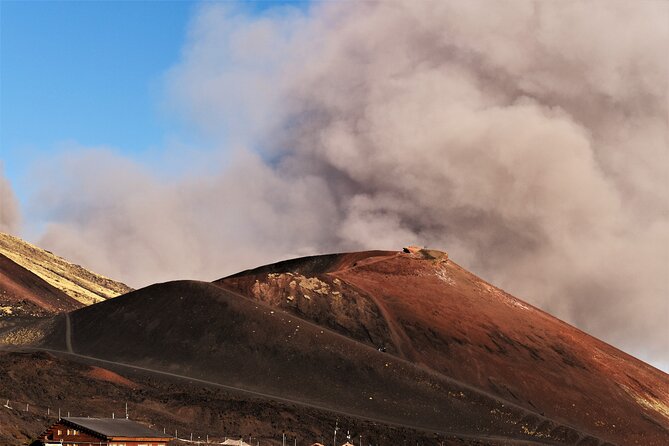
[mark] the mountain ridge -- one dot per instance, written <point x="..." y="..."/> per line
<point x="406" y="338"/>
<point x="251" y="346"/>
<point x="449" y="320"/>
<point x="24" y="294"/>
<point x="75" y="281"/>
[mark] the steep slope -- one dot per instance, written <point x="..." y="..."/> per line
<point x="78" y="283"/>
<point x="422" y="307"/>
<point x="208" y="333"/>
<point x="23" y="294"/>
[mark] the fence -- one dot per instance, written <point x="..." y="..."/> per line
<point x="193" y="437"/>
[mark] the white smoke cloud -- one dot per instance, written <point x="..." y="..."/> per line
<point x="125" y="222"/>
<point x="9" y="209"/>
<point x="529" y="139"/>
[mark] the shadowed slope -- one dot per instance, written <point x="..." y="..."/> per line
<point x="200" y="330"/>
<point x="426" y="309"/>
<point x="44" y="380"/>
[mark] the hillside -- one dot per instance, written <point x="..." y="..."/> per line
<point x="202" y="331"/>
<point x="24" y="294"/>
<point x="45" y="381"/>
<point x="75" y="281"/>
<point x="424" y="308"/>
<point x="397" y="340"/>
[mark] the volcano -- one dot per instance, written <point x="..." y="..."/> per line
<point x="422" y="307"/>
<point x="407" y="340"/>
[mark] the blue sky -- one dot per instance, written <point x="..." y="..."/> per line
<point x="89" y="73"/>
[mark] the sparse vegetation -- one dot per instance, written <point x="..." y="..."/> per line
<point x="77" y="282"/>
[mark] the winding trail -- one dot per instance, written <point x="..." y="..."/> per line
<point x="70" y="352"/>
<point x="501" y="439"/>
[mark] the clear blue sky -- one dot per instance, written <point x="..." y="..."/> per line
<point x="87" y="72"/>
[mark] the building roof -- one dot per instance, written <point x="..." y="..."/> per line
<point x="231" y="442"/>
<point x="114" y="427"/>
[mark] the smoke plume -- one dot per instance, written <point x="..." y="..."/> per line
<point x="9" y="209"/>
<point x="528" y="139"/>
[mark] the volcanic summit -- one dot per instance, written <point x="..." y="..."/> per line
<point x="402" y="339"/>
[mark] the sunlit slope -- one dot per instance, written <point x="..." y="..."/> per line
<point x="80" y="284"/>
<point x="424" y="308"/>
<point x="25" y="295"/>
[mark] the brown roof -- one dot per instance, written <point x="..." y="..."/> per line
<point x="114" y="427"/>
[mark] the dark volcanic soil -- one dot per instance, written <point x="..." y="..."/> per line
<point x="391" y="338"/>
<point x="202" y="331"/>
<point x="426" y="309"/>
<point x="46" y="381"/>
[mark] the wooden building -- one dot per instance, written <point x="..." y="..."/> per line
<point x="76" y="431"/>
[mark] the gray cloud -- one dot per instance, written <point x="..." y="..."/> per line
<point x="9" y="209"/>
<point x="529" y="139"/>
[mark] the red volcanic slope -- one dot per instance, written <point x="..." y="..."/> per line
<point x="24" y="293"/>
<point x="199" y="330"/>
<point x="425" y="308"/>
